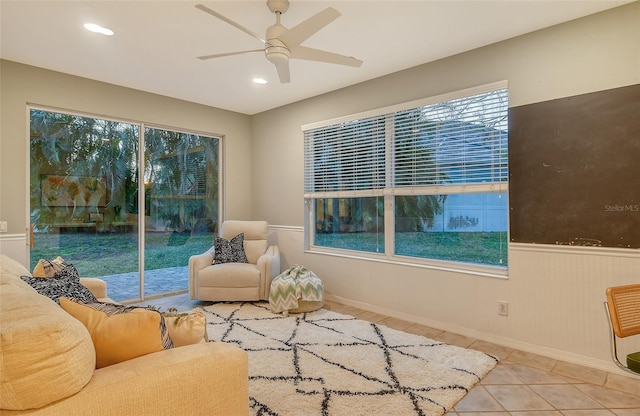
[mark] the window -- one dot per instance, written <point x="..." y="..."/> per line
<point x="424" y="182"/>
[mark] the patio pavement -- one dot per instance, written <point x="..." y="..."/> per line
<point x="124" y="286"/>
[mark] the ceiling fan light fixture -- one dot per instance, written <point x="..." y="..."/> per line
<point x="92" y="27"/>
<point x="259" y="81"/>
<point x="278" y="57"/>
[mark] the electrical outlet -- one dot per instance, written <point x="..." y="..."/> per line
<point x="3" y="226"/>
<point x="503" y="308"/>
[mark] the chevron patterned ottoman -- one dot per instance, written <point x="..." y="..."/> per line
<point x="296" y="290"/>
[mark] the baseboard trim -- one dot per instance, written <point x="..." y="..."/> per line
<point x="494" y="339"/>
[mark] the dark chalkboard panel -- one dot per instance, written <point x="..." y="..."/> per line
<point x="574" y="170"/>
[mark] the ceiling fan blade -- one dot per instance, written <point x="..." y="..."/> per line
<point x="231" y="22"/>
<point x="310" y="54"/>
<point x="298" y="34"/>
<point x="283" y="71"/>
<point x="218" y="55"/>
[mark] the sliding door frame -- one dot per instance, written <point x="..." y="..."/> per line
<point x="141" y="193"/>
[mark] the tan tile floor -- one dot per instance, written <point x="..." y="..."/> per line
<point x="522" y="384"/>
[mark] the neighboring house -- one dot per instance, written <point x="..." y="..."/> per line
<point x="479" y="212"/>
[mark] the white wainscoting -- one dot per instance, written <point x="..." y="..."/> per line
<point x="15" y="246"/>
<point x="555" y="295"/>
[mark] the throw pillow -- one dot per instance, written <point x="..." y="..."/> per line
<point x="186" y="328"/>
<point x="48" y="268"/>
<point x="120" y="333"/>
<point x="65" y="283"/>
<point x="230" y="251"/>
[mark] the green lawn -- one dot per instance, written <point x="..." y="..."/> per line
<point x="472" y="247"/>
<point x="104" y="254"/>
<point x="110" y="253"/>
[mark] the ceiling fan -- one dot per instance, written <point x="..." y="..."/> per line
<point x="282" y="44"/>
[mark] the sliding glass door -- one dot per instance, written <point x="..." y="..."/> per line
<point x="90" y="204"/>
<point x="181" y="205"/>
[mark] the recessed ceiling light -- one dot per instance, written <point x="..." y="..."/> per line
<point x="98" y="29"/>
<point x="259" y="81"/>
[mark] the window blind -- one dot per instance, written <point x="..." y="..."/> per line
<point x="454" y="142"/>
<point x="348" y="156"/>
<point x="462" y="141"/>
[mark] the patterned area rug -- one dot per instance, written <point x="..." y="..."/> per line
<point x="327" y="364"/>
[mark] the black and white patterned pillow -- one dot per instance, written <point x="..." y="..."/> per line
<point x="66" y="283"/>
<point x="68" y="271"/>
<point x="230" y="251"/>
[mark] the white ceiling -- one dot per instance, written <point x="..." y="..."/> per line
<point x="156" y="42"/>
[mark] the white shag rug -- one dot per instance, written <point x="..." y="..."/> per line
<point x="327" y="364"/>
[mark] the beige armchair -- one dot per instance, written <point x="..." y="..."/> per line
<point x="236" y="281"/>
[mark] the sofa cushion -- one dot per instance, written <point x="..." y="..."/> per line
<point x="230" y="251"/>
<point x="66" y="282"/>
<point x="230" y="275"/>
<point x="11" y="267"/>
<point x="120" y="333"/>
<point x="45" y="354"/>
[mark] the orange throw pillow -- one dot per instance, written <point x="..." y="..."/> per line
<point x="120" y="333"/>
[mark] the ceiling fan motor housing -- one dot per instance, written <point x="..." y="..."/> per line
<point x="275" y="50"/>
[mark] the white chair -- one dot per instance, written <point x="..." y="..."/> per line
<point x="236" y="281"/>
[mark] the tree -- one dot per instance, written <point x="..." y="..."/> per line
<point x="71" y="145"/>
<point x="415" y="166"/>
<point x="183" y="181"/>
<point x="181" y="167"/>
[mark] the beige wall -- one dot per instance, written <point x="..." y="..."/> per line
<point x="555" y="296"/>
<point x="22" y="85"/>
<point x="590" y="54"/>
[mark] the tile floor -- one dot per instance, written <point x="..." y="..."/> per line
<point x="522" y="384"/>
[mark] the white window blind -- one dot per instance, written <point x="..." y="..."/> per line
<point x="456" y="142"/>
<point x="348" y="156"/>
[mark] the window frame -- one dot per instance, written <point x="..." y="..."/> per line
<point x="390" y="191"/>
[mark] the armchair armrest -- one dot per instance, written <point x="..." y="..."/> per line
<point x="196" y="263"/>
<point x="269" y="266"/>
